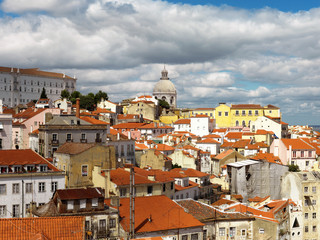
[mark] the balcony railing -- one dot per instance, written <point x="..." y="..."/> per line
<point x="54" y="141"/>
<point x="83" y="140"/>
<point x="69" y="140"/>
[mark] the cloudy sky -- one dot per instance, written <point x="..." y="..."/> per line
<point x="236" y="51"/>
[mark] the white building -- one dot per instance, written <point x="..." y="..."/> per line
<point x="20" y="86"/>
<point x="182" y="125"/>
<point x="26" y="178"/>
<point x="5" y="129"/>
<point x="280" y="129"/>
<point x="200" y="125"/>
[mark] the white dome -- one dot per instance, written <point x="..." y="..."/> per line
<point x="164" y="86"/>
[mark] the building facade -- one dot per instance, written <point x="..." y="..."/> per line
<point x="20" y="86"/>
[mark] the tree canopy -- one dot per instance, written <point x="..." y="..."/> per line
<point x="294" y="168"/>
<point x="163" y="104"/>
<point x="43" y="93"/>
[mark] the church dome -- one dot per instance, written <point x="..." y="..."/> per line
<point x="164" y="85"/>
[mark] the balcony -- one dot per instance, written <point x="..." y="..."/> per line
<point x="54" y="142"/>
<point x="83" y="140"/>
<point x="69" y="140"/>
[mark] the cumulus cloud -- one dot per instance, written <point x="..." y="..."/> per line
<point x="213" y="54"/>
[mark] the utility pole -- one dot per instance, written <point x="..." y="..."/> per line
<point x="132" y="196"/>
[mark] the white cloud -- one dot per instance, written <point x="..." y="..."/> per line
<point x="213" y="54"/>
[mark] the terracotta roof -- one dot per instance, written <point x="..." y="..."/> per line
<point x="297" y="144"/>
<point x="234" y="135"/>
<point x="74" y="148"/>
<point x="202" y="211"/>
<point x="23" y="157"/>
<point x="128" y="125"/>
<point x="267" y="156"/>
<point x="34" y="71"/>
<point x="140" y="146"/>
<point x="212" y="136"/>
<point x="156" y="213"/>
<point x="262" y="132"/>
<point x="208" y="141"/>
<point x="200" y="116"/>
<point x="94" y="121"/>
<point x="190" y="185"/>
<point x="272" y="106"/>
<point x="145" y="96"/>
<point x="42" y="228"/>
<point x="164" y="147"/>
<point x="102" y="110"/>
<point x="189" y="147"/>
<point x="128" y="116"/>
<point x="190" y="172"/>
<point x="121" y="177"/>
<point x="159" y="175"/>
<point x="221" y="130"/>
<point x="28" y="113"/>
<point x="183" y="121"/>
<point x="224" y="154"/>
<point x="242" y="143"/>
<point x="246" y="106"/>
<point x="223" y="201"/>
<point x="79" y="193"/>
<point x="226" y="144"/>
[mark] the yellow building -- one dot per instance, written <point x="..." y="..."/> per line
<point x="204" y="111"/>
<point x="243" y="114"/>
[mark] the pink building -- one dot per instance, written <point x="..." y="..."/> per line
<point x="294" y="151"/>
<point x="26" y="122"/>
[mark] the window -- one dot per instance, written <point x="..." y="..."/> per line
<point x="194" y="236"/>
<point x="112" y="223"/>
<point x="28" y="187"/>
<point x="70" y="205"/>
<point x="84" y="170"/>
<point x="294" y="154"/>
<point x="314" y="189"/>
<point x="261" y="230"/>
<point x="306" y="229"/>
<point x="27" y="208"/>
<point x="102" y="225"/>
<point x="164" y="187"/>
<point x="314" y="228"/>
<point x="149" y="189"/>
<point x="243" y="112"/>
<point x="226" y="114"/>
<point x="309" y="153"/>
<point x="237" y="112"/>
<point x="222" y="231"/>
<point x="83" y="136"/>
<point x="305" y="189"/>
<point x="237" y="123"/>
<point x="3" y="189"/>
<point x="42" y="186"/>
<point x="232" y="231"/>
<point x="184" y="237"/>
<point x="314" y="215"/>
<point x="172" y="184"/>
<point x="3" y="210"/>
<point x="307" y="163"/>
<point x="87" y="225"/>
<point x="15" y="210"/>
<point x="54" y="186"/>
<point x="69" y="136"/>
<point x="314" y="202"/>
<point x="219" y="114"/>
<point x="123" y="192"/>
<point x="243" y="232"/>
<point x="95" y="202"/>
<point x="256" y="112"/>
<point x="302" y="153"/>
<point x="250" y="113"/>
<point x="43" y="168"/>
<point x="306" y="215"/>
<point x="83" y="203"/>
<point x="243" y="123"/>
<point x="54" y="136"/>
<point x="15" y="188"/>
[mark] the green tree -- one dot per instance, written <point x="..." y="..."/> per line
<point x="163" y="104"/>
<point x="176" y="165"/>
<point x="87" y="101"/>
<point x="293" y="168"/>
<point x="43" y="93"/>
<point x="65" y="94"/>
<point x="99" y="95"/>
<point x="74" y="95"/>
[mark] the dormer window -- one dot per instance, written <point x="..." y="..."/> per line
<point x="4" y="169"/>
<point x="70" y="205"/>
<point x="43" y="168"/>
<point x="17" y="169"/>
<point x="95" y="202"/>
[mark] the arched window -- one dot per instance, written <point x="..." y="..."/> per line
<point x="243" y="123"/>
<point x="249" y="123"/>
<point x="171" y="100"/>
<point x="237" y="123"/>
<point x="164" y="98"/>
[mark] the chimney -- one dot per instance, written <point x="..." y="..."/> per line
<point x="118" y="136"/>
<point x="129" y="135"/>
<point x="78" y="108"/>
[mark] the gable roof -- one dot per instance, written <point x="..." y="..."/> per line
<point x="156" y="213"/>
<point x="208" y="141"/>
<point x="190" y="172"/>
<point x="224" y="154"/>
<point x="94" y="121"/>
<point x="79" y="193"/>
<point x="246" y="106"/>
<point x="74" y="148"/>
<point x="42" y="228"/>
<point x="234" y="135"/>
<point x="35" y="72"/>
<point x="183" y="121"/>
<point x="296" y="144"/>
<point x="121" y="177"/>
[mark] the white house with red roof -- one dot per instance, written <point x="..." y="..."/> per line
<point x="183" y="124"/>
<point x="26" y="178"/>
<point x="279" y="128"/>
<point x="209" y="145"/>
<point x="113" y="107"/>
<point x="294" y="151"/>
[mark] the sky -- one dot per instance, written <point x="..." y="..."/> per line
<point x="233" y="51"/>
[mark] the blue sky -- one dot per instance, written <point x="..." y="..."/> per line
<point x="285" y="6"/>
<point x="263" y="52"/>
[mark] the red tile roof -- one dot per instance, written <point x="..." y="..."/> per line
<point x="42" y="228"/>
<point x="267" y="156"/>
<point x="234" y="135"/>
<point x="28" y="113"/>
<point x="128" y="125"/>
<point x="246" y="106"/>
<point x="156" y="213"/>
<point x="297" y="144"/>
<point x="34" y="72"/>
<point x="79" y="193"/>
<point x="183" y="121"/>
<point x="200" y="116"/>
<point x="128" y="116"/>
<point x="241" y="143"/>
<point x="212" y="136"/>
<point x="164" y="147"/>
<point x="224" y="154"/>
<point x="190" y="172"/>
<point x="94" y="121"/>
<point x="121" y="177"/>
<point x="23" y="157"/>
<point x="208" y="141"/>
<point x="74" y="148"/>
